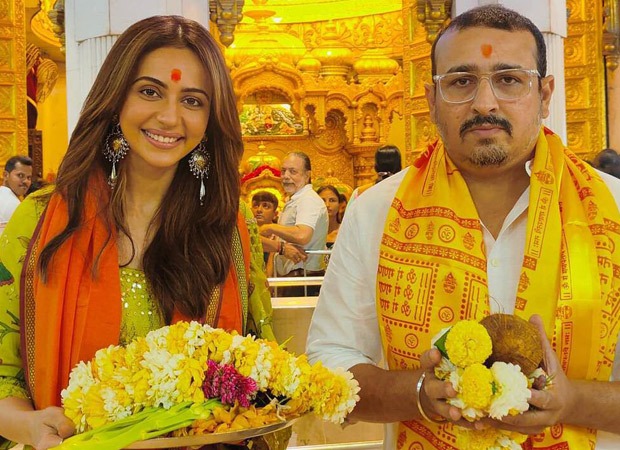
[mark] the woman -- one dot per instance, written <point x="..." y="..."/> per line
<point x="331" y="197"/>
<point x="144" y="227"/>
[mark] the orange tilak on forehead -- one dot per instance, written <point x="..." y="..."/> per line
<point x="175" y="75"/>
<point x="486" y="50"/>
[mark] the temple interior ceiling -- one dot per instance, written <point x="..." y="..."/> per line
<point x="299" y="11"/>
<point x="337" y="78"/>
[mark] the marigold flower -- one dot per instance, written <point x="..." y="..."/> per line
<point x="476" y="386"/>
<point x="468" y="343"/>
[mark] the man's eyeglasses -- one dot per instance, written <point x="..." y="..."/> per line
<point x="507" y="84"/>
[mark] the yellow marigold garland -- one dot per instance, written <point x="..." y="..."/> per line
<point x="167" y="367"/>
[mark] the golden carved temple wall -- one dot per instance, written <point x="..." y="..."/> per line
<point x="585" y="78"/>
<point x="13" y="125"/>
<point x="347" y="109"/>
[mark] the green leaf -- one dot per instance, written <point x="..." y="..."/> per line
<point x="441" y="344"/>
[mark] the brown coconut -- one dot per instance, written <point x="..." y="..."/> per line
<point x="515" y="341"/>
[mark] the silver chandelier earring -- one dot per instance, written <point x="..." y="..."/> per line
<point x="199" y="164"/>
<point x="116" y="147"/>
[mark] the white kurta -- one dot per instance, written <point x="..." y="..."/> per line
<point x="8" y="203"/>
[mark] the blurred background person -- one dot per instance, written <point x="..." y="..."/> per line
<point x="388" y="161"/>
<point x="265" y="210"/>
<point x="608" y="161"/>
<point x="330" y="195"/>
<point x="17" y="178"/>
<point x="302" y="222"/>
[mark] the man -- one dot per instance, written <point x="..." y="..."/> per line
<point x="303" y="222"/>
<point x="467" y="231"/>
<point x="17" y="179"/>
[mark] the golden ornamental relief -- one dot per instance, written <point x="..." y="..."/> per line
<point x="577" y="92"/>
<point x="7" y="144"/>
<point x="6" y="54"/>
<point x="575" y="48"/>
<point x="7" y="93"/>
<point x="6" y="10"/>
<point x="422" y="76"/>
<point x="577" y="134"/>
<point x="334" y="136"/>
<point x="338" y="124"/>
<point x="576" y="9"/>
<point x="426" y="132"/>
<point x="384" y="30"/>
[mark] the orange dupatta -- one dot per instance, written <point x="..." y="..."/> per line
<point x="68" y="318"/>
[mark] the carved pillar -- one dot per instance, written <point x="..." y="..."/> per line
<point x="13" y="120"/>
<point x="611" y="51"/>
<point x="92" y="27"/>
<point x="585" y="78"/>
<point x="419" y="129"/>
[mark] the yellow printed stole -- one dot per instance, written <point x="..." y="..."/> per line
<point x="432" y="273"/>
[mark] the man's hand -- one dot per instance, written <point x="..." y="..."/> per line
<point x="294" y="253"/>
<point x="548" y="407"/>
<point x="266" y="230"/>
<point x="434" y="391"/>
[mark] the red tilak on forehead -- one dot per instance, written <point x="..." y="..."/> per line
<point x="486" y="50"/>
<point x="175" y="75"/>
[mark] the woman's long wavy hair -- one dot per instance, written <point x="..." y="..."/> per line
<point x="191" y="249"/>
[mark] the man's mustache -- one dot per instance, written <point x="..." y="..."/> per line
<point x="477" y="121"/>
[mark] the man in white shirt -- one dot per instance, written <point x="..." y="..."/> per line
<point x="459" y="234"/>
<point x="17" y="179"/>
<point x="303" y="222"/>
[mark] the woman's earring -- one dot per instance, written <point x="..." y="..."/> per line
<point x="115" y="149"/>
<point x="199" y="164"/>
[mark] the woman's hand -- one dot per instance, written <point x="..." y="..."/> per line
<point x="48" y="427"/>
<point x="42" y="429"/>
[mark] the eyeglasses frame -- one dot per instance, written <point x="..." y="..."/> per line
<point x="485" y="76"/>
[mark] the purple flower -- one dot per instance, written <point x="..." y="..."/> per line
<point x="224" y="382"/>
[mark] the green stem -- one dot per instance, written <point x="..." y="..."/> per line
<point x="146" y="424"/>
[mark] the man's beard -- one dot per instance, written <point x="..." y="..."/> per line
<point x="488" y="154"/>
